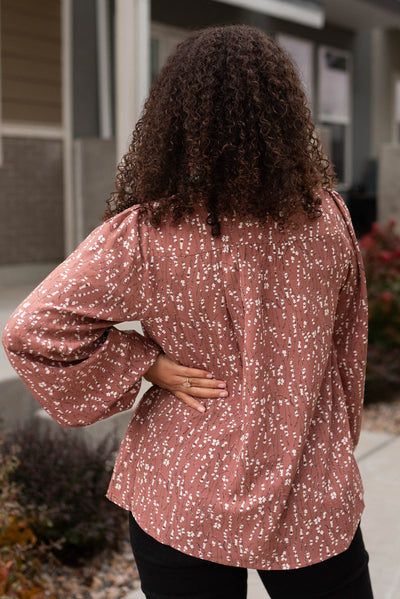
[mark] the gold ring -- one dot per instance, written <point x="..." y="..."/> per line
<point x="187" y="382"/>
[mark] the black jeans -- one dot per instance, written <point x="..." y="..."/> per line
<point x="166" y="573"/>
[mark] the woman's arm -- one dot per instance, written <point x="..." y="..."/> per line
<point x="61" y="340"/>
<point x="350" y="334"/>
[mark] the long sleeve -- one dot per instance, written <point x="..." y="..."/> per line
<point x="351" y="331"/>
<point x="61" y="340"/>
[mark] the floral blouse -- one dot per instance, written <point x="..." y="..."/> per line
<point x="266" y="477"/>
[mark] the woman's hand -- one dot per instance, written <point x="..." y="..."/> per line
<point x="185" y="383"/>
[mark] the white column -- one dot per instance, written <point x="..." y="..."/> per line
<point x="132" y="56"/>
<point x="104" y="68"/>
<point x="1" y="112"/>
<point x="381" y="90"/>
<point x="70" y="237"/>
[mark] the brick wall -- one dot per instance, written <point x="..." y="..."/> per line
<point x="31" y="201"/>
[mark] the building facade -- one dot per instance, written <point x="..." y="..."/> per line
<point x="74" y="74"/>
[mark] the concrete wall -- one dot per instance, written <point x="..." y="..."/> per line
<point x="389" y="184"/>
<point x="94" y="175"/>
<point x="381" y="101"/>
<point x="385" y="60"/>
<point x="31" y="207"/>
<point x="394" y="45"/>
<point x="18" y="407"/>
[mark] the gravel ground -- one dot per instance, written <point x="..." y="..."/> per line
<point x="382" y="417"/>
<point x="105" y="577"/>
<point x="113" y="577"/>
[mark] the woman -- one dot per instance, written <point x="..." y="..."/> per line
<point x="224" y="239"/>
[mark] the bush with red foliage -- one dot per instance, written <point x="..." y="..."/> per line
<point x="381" y="253"/>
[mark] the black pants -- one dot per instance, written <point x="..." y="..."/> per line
<point x="166" y="573"/>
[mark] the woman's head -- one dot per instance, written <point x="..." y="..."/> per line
<point x="226" y="123"/>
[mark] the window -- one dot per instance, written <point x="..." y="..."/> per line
<point x="164" y="40"/>
<point x="396" y="135"/>
<point x="154" y="58"/>
<point x="302" y="54"/>
<point x="334" y="109"/>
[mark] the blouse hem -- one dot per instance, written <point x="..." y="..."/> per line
<point x="243" y="563"/>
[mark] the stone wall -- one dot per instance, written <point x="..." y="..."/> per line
<point x="31" y="206"/>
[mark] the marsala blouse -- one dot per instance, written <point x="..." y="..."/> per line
<point x="265" y="478"/>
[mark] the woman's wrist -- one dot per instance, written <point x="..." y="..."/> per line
<point x="148" y="375"/>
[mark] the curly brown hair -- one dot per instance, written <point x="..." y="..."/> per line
<point x="226" y="123"/>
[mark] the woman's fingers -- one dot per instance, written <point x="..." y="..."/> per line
<point x="190" y="401"/>
<point x="208" y="383"/>
<point x="182" y="373"/>
<point x="200" y="382"/>
<point x="197" y="377"/>
<point x="188" y="396"/>
<point x="187" y="384"/>
<point x="186" y="371"/>
<point x="205" y="392"/>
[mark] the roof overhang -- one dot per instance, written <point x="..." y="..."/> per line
<point x="351" y="14"/>
<point x="304" y="12"/>
<point x="363" y="14"/>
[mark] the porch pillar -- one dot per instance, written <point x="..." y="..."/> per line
<point x="132" y="68"/>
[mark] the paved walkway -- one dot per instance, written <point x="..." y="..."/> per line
<point x="378" y="456"/>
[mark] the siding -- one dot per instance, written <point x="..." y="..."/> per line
<point x="31" y="61"/>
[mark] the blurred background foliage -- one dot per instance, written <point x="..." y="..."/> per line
<point x="62" y="518"/>
<point x="381" y="253"/>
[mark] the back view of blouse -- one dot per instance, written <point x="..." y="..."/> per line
<point x="265" y="478"/>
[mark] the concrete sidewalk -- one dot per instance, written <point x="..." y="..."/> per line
<point x="378" y="456"/>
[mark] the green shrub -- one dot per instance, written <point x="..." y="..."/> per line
<point x="63" y="482"/>
<point x="381" y="253"/>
